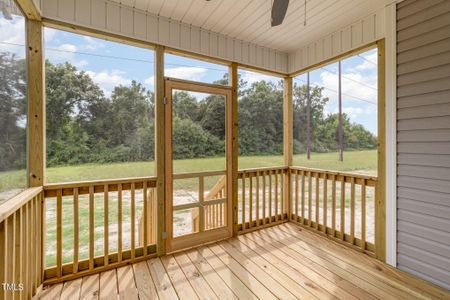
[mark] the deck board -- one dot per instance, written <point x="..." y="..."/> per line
<point x="284" y="261"/>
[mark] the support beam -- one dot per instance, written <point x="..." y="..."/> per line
<point x="36" y="104"/>
<point x="340" y="126"/>
<point x="160" y="150"/>
<point x="287" y="121"/>
<point x="380" y="203"/>
<point x="232" y="166"/>
<point x="30" y="9"/>
<point x="287" y="141"/>
<point x="308" y="118"/>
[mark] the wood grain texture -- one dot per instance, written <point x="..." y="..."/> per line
<point x="283" y="262"/>
<point x="36" y="104"/>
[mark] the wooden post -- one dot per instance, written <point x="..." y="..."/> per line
<point x="287" y="142"/>
<point x="340" y="126"/>
<point x="308" y="118"/>
<point x="380" y="201"/>
<point x="232" y="159"/>
<point x="160" y="149"/>
<point x="36" y="104"/>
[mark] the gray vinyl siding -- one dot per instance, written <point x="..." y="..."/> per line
<point x="423" y="137"/>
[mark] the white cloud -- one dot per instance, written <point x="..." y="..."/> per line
<point x="65" y="53"/>
<point x="252" y="77"/>
<point x="13" y="32"/>
<point x="150" y="81"/>
<point x="107" y="80"/>
<point x="49" y="34"/>
<point x="369" y="62"/>
<point x="187" y="73"/>
<point x="353" y="84"/>
<point x="92" y="44"/>
<point x="67" y="48"/>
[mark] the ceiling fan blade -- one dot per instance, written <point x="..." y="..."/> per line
<point x="279" y="8"/>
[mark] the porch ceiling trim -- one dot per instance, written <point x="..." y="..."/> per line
<point x="111" y="17"/>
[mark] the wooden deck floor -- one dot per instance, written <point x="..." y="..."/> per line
<point x="281" y="262"/>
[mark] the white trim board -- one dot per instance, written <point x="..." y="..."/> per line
<point x="391" y="134"/>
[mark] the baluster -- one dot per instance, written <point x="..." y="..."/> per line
<point x="105" y="225"/>
<point x="250" y="200"/>
<point x="18" y="229"/>
<point x="309" y="198"/>
<point x="91" y="227"/>
<point x="257" y="198"/>
<point x="10" y="224"/>
<point x="264" y="197"/>
<point x="303" y="197"/>
<point x="221" y="214"/>
<point x="201" y="198"/>
<point x="363" y="215"/>
<point x="24" y="248"/>
<point x="333" y="205"/>
<point x="75" y="230"/>
<point x="32" y="250"/>
<point x="132" y="215"/>
<point x="282" y="204"/>
<point x="270" y="196"/>
<point x="325" y="202"/>
<point x="119" y="222"/>
<point x="41" y="238"/>
<point x="59" y="233"/>
<point x="243" y="201"/>
<point x="145" y="208"/>
<point x="276" y="196"/>
<point x="296" y="196"/>
<point x="343" y="208"/>
<point x="317" y="200"/>
<point x="352" y="211"/>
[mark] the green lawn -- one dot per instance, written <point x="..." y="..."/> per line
<point x="353" y="161"/>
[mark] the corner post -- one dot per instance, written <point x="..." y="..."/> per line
<point x="160" y="150"/>
<point x="380" y="192"/>
<point x="232" y="166"/>
<point x="36" y="104"/>
<point x="287" y="142"/>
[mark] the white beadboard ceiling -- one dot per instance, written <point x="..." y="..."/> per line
<point x="249" y="20"/>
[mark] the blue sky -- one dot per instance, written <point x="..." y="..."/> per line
<point x="359" y="87"/>
<point x="111" y="64"/>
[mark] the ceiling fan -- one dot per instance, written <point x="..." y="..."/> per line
<point x="279" y="9"/>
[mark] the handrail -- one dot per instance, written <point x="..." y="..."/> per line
<point x="72" y="184"/>
<point x="15" y="203"/>
<point x="332" y="172"/>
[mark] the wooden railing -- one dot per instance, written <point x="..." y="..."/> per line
<point x="208" y="204"/>
<point x="21" y="247"/>
<point x="91" y="226"/>
<point x="336" y="204"/>
<point x="262" y="197"/>
<point x="75" y="213"/>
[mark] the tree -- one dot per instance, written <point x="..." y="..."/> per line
<point x="260" y="114"/>
<point x="13" y="105"/>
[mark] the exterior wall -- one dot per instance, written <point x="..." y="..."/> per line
<point x="108" y="16"/>
<point x="423" y="129"/>
<point x="353" y="36"/>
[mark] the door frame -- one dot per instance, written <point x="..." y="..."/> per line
<point x="198" y="238"/>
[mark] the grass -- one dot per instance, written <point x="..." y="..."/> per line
<point x="353" y="161"/>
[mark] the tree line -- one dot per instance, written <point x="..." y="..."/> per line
<point x="84" y="125"/>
